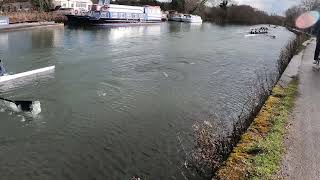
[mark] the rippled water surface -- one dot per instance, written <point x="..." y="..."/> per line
<point x="122" y="101"/>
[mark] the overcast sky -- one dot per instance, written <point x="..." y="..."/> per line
<point x="271" y="6"/>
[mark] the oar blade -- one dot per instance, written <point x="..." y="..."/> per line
<point x="24" y="105"/>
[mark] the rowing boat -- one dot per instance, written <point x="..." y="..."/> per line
<point x="24" y="74"/>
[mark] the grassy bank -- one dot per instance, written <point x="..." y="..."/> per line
<point x="258" y="154"/>
<point x="21" y="17"/>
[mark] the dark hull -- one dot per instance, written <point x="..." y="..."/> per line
<point x="86" y="20"/>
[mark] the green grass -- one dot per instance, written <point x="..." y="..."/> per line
<point x="266" y="164"/>
<point x="259" y="153"/>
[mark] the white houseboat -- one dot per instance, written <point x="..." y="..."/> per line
<point x="113" y="13"/>
<point x="74" y="7"/>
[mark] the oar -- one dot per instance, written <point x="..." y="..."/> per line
<point x="24" y="105"/>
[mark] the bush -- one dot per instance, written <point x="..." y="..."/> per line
<point x="291" y="49"/>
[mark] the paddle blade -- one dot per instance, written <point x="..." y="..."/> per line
<point x="24" y="105"/>
<point x="307" y="19"/>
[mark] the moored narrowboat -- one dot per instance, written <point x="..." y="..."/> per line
<point x="113" y="13"/>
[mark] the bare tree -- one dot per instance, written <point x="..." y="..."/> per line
<point x="224" y="4"/>
<point x="310" y="5"/>
<point x="191" y="5"/>
<point x="43" y="5"/>
<point x="199" y="4"/>
<point x="1" y="4"/>
<point x="292" y="14"/>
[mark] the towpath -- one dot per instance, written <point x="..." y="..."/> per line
<point x="302" y="160"/>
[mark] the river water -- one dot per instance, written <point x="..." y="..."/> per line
<point x="122" y="101"/>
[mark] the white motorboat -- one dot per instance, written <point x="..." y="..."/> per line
<point x="24" y="74"/>
<point x="189" y="18"/>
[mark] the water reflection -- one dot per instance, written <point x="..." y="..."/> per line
<point x="58" y="36"/>
<point x="4" y="41"/>
<point x="116" y="34"/>
<point x="42" y="39"/>
<point x="175" y="26"/>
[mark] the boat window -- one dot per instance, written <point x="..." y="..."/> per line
<point x="114" y="15"/>
<point x="135" y="16"/>
<point x="81" y="4"/>
<point x="104" y="14"/>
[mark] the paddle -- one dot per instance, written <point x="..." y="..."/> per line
<point x="24" y="105"/>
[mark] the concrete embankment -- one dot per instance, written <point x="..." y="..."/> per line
<point x="260" y="152"/>
<point x="23" y="26"/>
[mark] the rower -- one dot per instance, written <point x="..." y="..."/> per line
<point x="2" y="70"/>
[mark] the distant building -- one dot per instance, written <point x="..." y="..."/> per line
<point x="16" y="5"/>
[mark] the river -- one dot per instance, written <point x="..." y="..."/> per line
<point x="122" y="101"/>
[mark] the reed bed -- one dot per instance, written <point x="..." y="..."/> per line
<point x="35" y="16"/>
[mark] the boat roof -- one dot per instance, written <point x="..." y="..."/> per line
<point x="84" y="1"/>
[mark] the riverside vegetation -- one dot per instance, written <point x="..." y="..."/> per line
<point x="35" y="16"/>
<point x="259" y="153"/>
<point x="42" y="12"/>
<point x="262" y="142"/>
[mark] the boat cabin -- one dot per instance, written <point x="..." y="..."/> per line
<point x="78" y="6"/>
<point x="122" y="13"/>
